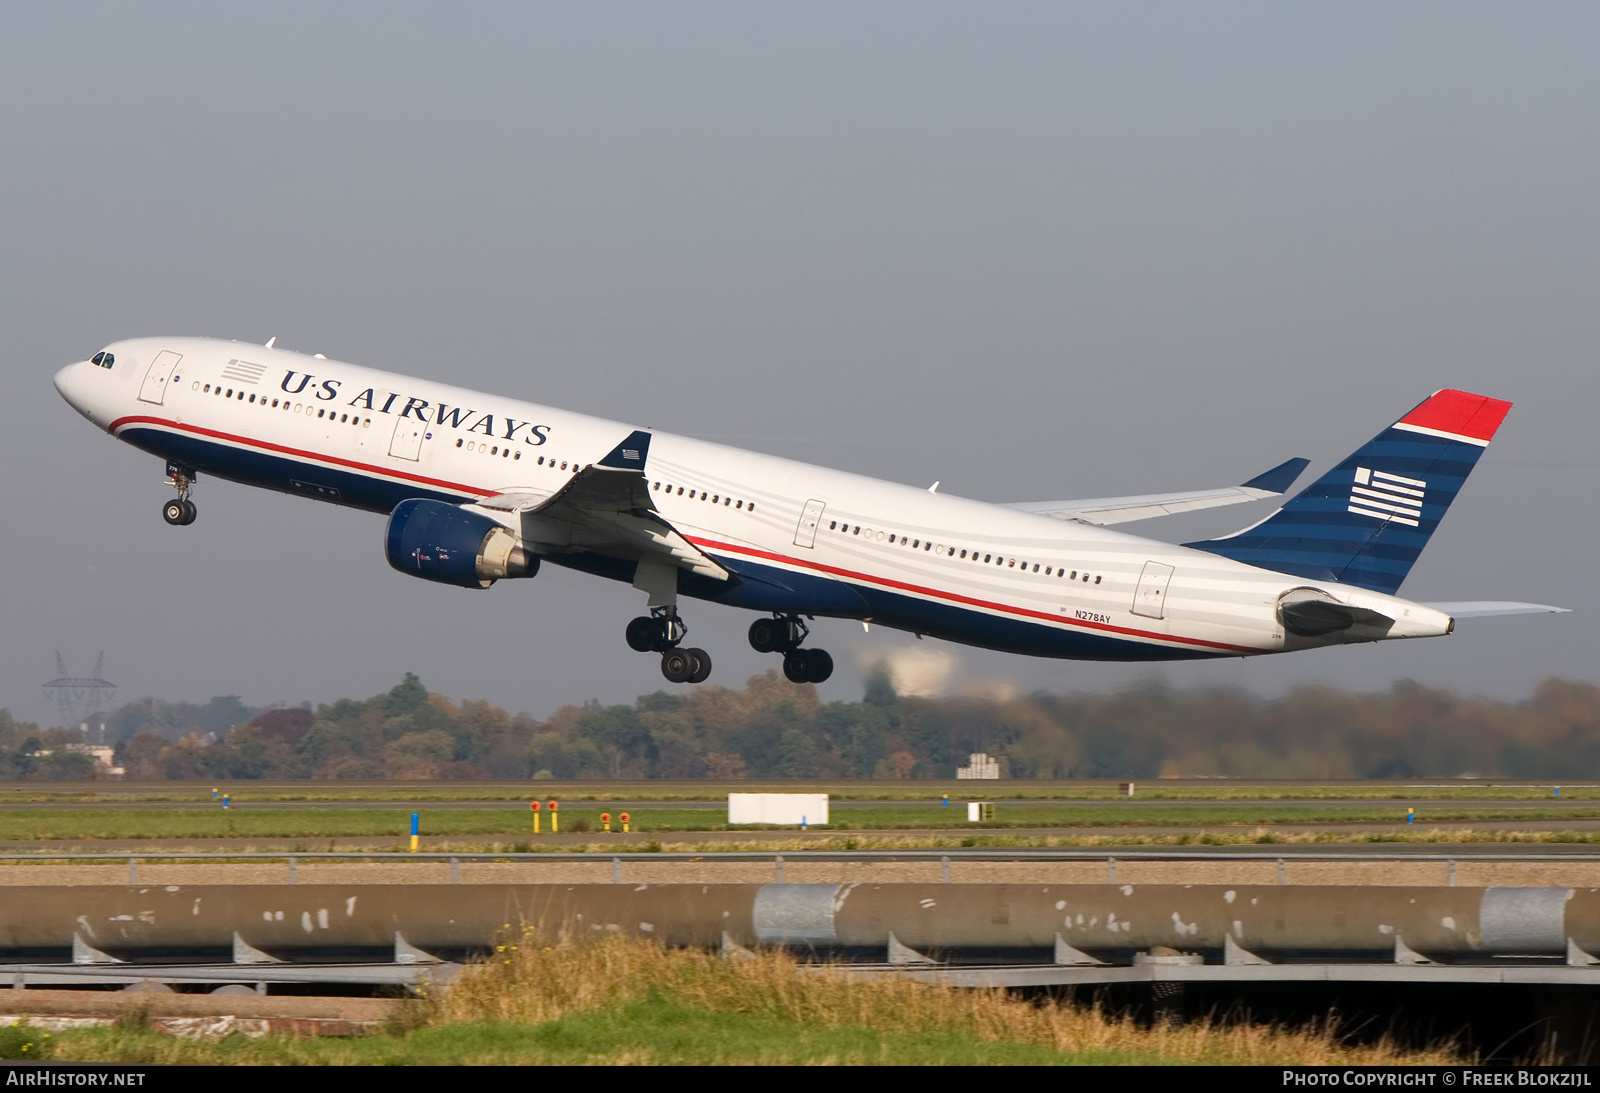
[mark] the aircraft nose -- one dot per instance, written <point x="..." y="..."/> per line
<point x="71" y="385"/>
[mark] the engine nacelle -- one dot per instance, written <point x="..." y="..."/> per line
<point x="451" y="545"/>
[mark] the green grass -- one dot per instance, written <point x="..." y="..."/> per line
<point x="243" y="822"/>
<point x="517" y="794"/>
<point x="641" y="1032"/>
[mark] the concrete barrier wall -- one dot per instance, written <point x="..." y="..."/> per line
<point x="120" y="919"/>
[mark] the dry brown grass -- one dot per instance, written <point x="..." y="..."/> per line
<point x="529" y="983"/>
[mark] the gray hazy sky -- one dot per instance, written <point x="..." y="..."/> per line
<point x="1033" y="251"/>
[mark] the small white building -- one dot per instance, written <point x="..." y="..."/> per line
<point x="981" y="766"/>
<point x="778" y="808"/>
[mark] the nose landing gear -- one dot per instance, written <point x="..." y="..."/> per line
<point x="662" y="631"/>
<point x="179" y="511"/>
<point x="783" y="634"/>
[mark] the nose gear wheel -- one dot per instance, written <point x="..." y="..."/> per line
<point x="180" y="511"/>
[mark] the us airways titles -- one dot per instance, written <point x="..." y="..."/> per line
<point x="420" y="408"/>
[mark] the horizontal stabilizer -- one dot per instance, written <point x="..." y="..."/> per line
<point x="1119" y="510"/>
<point x="1366" y="521"/>
<point x="1482" y="609"/>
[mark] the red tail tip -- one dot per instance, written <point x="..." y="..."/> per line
<point x="1459" y="413"/>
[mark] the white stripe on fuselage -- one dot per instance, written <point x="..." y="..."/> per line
<point x="1214" y="605"/>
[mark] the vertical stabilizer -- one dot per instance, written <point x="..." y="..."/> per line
<point x="1366" y="521"/>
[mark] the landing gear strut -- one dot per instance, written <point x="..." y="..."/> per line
<point x="783" y="634"/>
<point x="180" y="510"/>
<point x="662" y="631"/>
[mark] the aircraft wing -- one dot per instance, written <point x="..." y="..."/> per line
<point x="1117" y="510"/>
<point x="606" y="507"/>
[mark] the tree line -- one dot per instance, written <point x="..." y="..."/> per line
<point x="774" y="729"/>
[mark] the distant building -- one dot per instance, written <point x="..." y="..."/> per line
<point x="102" y="755"/>
<point x="981" y="766"/>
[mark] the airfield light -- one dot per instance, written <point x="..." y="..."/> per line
<point x="624" y="819"/>
<point x="534" y="805"/>
<point x="605" y="819"/>
<point x="555" y="827"/>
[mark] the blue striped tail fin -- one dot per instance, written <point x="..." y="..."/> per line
<point x="1366" y="521"/>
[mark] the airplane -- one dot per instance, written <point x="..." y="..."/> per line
<point x="479" y="488"/>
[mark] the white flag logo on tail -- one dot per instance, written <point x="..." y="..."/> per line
<point x="1386" y="496"/>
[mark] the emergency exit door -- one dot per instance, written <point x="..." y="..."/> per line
<point x="1150" y="598"/>
<point x="154" y="387"/>
<point x="407" y="441"/>
<point x="805" y="534"/>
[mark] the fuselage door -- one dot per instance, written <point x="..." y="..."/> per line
<point x="407" y="442"/>
<point x="805" y="534"/>
<point x="1150" y="599"/>
<point x="154" y="388"/>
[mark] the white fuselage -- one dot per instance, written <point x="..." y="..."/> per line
<point x="930" y="563"/>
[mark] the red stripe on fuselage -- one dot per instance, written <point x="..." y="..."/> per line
<point x="709" y="544"/>
<point x="251" y="442"/>
<point x="956" y="597"/>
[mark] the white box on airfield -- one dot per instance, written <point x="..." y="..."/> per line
<point x="777" y="808"/>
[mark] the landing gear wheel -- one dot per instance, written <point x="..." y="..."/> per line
<point x="679" y="664"/>
<point x="643" y="633"/>
<point x="821" y="666"/>
<point x="175" y="512"/>
<point x="767" y="635"/>
<point x="189" y="511"/>
<point x="702" y="666"/>
<point x="797" y="666"/>
<point x="807" y="665"/>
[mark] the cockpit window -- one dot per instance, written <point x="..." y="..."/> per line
<point x="103" y="359"/>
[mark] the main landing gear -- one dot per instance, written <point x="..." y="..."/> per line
<point x="662" y="631"/>
<point x="180" y="510"/>
<point x="784" y="634"/>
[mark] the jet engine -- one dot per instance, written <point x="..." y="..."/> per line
<point x="452" y="545"/>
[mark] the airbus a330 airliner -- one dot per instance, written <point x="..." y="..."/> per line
<point x="479" y="488"/>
